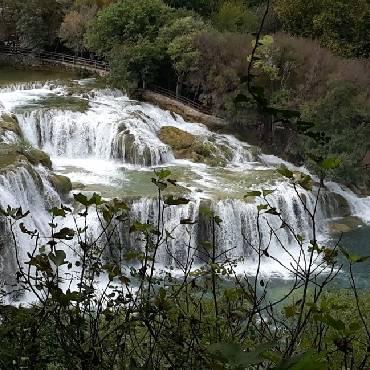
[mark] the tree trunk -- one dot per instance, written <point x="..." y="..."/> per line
<point x="268" y="134"/>
<point x="178" y="87"/>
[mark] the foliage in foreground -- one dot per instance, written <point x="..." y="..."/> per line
<point x="99" y="305"/>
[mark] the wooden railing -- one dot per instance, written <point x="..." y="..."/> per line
<point x="72" y="60"/>
<point x="188" y="102"/>
<point x="97" y="66"/>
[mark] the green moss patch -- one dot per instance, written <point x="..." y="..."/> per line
<point x="62" y="184"/>
<point x="9" y="123"/>
<point x="187" y="146"/>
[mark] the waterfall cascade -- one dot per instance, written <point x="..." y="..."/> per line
<point x="121" y="136"/>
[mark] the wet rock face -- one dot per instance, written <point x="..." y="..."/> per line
<point x="345" y="225"/>
<point x="62" y="184"/>
<point x="36" y="157"/>
<point x="20" y="154"/>
<point x="15" y="155"/>
<point x="180" y="141"/>
<point x="8" y="264"/>
<point x="187" y="146"/>
<point x="17" y="151"/>
<point x="9" y="123"/>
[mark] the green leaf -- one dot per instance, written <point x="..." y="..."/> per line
<point x="65" y="234"/>
<point x="95" y="199"/>
<point x="159" y="184"/>
<point x="218" y="220"/>
<point x="273" y="211"/>
<point x="327" y="319"/>
<point x="330" y="163"/>
<point x="252" y="193"/>
<point x="113" y="270"/>
<point x="19" y="214"/>
<point x="305" y="181"/>
<point x="141" y="228"/>
<point x="354" y="326"/>
<point x="284" y="171"/>
<point x="305" y="361"/>
<point x="24" y="230"/>
<point x="233" y="354"/>
<point x="82" y="199"/>
<point x="267" y="192"/>
<point x="162" y="174"/>
<point x="58" y="258"/>
<point x="171" y="201"/>
<point x="353" y="258"/>
<point x="290" y="311"/>
<point x="58" y="212"/>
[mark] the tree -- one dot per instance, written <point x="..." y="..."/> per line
<point x="234" y="16"/>
<point x="9" y="11"/>
<point x="339" y="24"/>
<point x="344" y="116"/>
<point x="93" y="3"/>
<point x="136" y="63"/>
<point x="73" y="28"/>
<point x="126" y="21"/>
<point x="203" y="7"/>
<point x="39" y="21"/>
<point x="127" y="33"/>
<point x="222" y="62"/>
<point x="179" y="36"/>
<point x="104" y="305"/>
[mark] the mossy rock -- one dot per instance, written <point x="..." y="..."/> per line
<point x="344" y="208"/>
<point x="78" y="186"/>
<point x="10" y="156"/>
<point x="345" y="225"/>
<point x="11" y="159"/>
<point x="36" y="157"/>
<point x="10" y="123"/>
<point x="177" y="139"/>
<point x="13" y="154"/>
<point x="62" y="184"/>
<point x="188" y="146"/>
<point x="339" y="228"/>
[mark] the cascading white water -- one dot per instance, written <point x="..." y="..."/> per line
<point x="23" y="86"/>
<point x="241" y="235"/>
<point x="116" y="129"/>
<point x="181" y="239"/>
<point x="24" y="187"/>
<point x="104" y="135"/>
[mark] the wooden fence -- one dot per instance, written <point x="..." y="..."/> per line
<point x="71" y="60"/>
<point x="188" y="102"/>
<point x="98" y="67"/>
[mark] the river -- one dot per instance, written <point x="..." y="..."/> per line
<point x="106" y="143"/>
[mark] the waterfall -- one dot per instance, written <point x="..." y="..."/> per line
<point x="23" y="86"/>
<point x="103" y="135"/>
<point x="177" y="240"/>
<point x="116" y="130"/>
<point x="359" y="206"/>
<point x="239" y="232"/>
<point x="29" y="189"/>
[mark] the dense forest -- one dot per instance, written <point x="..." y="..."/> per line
<point x="311" y="59"/>
<point x="103" y="287"/>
